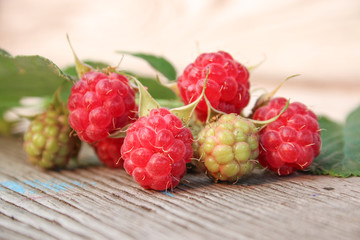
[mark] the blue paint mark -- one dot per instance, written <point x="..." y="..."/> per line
<point x="35" y="184"/>
<point x="167" y="193"/>
<point x="42" y="185"/>
<point x="79" y="184"/>
<point x="28" y="182"/>
<point x="16" y="187"/>
<point x="48" y="186"/>
<point x="62" y="186"/>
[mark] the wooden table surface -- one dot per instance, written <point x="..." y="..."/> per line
<point x="101" y="203"/>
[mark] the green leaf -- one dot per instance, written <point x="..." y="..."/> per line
<point x="3" y="52"/>
<point x="156" y="89"/>
<point x="340" y="153"/>
<point x="170" y="103"/>
<point x="25" y="76"/>
<point x="158" y="63"/>
<point x="81" y="68"/>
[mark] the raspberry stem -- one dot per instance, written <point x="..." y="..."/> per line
<point x="57" y="102"/>
<point x="263" y="124"/>
<point x="212" y="112"/>
<point x="146" y="101"/>
<point x="120" y="133"/>
<point x="81" y="68"/>
<point x="252" y="67"/>
<point x="265" y="98"/>
<point x="185" y="112"/>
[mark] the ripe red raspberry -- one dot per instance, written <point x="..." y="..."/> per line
<point x="227" y="87"/>
<point x="292" y="141"/>
<point x="109" y="152"/>
<point x="156" y="149"/>
<point x="100" y="104"/>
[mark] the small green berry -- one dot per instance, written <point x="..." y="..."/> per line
<point x="47" y="141"/>
<point x="229" y="147"/>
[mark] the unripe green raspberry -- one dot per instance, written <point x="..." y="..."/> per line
<point x="48" y="141"/>
<point x="229" y="147"/>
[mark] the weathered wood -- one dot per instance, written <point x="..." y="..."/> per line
<point x="101" y="203"/>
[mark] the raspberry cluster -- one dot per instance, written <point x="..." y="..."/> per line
<point x="227" y="86"/>
<point x="158" y="145"/>
<point x="100" y="104"/>
<point x="156" y="150"/>
<point x="292" y="141"/>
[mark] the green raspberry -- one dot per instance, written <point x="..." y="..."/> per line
<point x="48" y="142"/>
<point x="229" y="147"/>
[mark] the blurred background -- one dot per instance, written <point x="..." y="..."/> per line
<point x="318" y="39"/>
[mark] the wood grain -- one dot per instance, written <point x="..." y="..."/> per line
<point x="101" y="203"/>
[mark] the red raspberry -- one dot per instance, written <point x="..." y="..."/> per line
<point x="156" y="149"/>
<point x="108" y="151"/>
<point x="292" y="141"/>
<point x="100" y="104"/>
<point x="227" y="87"/>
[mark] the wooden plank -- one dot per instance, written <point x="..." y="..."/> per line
<point x="102" y="203"/>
